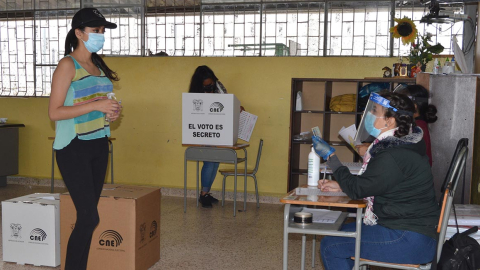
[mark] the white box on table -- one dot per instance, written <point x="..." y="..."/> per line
<point x="31" y="229"/>
<point x="210" y="119"/>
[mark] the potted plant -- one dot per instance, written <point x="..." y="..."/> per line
<point x="421" y="49"/>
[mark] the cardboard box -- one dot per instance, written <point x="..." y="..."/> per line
<point x="128" y="235"/>
<point x="31" y="229"/>
<point x="210" y="119"/>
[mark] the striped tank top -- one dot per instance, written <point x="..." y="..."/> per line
<point x="85" y="88"/>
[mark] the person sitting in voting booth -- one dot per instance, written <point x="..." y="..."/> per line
<point x="397" y="184"/>
<point x="205" y="81"/>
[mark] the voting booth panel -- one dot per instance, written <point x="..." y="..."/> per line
<point x="210" y="119"/>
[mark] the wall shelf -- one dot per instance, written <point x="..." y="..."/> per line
<point x="316" y="95"/>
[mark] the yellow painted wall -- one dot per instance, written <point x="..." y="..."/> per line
<point x="148" y="148"/>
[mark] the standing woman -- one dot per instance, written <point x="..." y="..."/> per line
<point x="205" y="81"/>
<point x="81" y="110"/>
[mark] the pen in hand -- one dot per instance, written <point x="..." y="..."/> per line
<point x="324" y="174"/>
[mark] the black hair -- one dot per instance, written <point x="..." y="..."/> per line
<point x="404" y="115"/>
<point x="71" y="43"/>
<point x="201" y="74"/>
<point x="419" y="95"/>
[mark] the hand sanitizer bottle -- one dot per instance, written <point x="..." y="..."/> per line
<point x="446" y="66"/>
<point x="313" y="168"/>
<point x="436" y="67"/>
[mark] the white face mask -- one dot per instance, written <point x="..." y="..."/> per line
<point x="95" y="42"/>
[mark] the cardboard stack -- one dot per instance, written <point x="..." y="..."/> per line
<point x="210" y="119"/>
<point x="128" y="235"/>
<point x="31" y="229"/>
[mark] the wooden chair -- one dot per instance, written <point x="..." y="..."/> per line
<point x="250" y="173"/>
<point x="454" y="173"/>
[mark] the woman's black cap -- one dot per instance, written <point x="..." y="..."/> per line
<point x="90" y="17"/>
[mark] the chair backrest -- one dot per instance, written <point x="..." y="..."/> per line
<point x="454" y="173"/>
<point x="259" y="154"/>
<point x="460" y="144"/>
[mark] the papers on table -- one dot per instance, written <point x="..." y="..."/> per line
<point x="323" y="215"/>
<point x="317" y="192"/>
<point x="246" y="125"/>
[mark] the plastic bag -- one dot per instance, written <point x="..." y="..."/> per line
<point x="343" y="103"/>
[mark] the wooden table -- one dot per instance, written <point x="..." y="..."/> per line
<point x="216" y="153"/>
<point x="295" y="203"/>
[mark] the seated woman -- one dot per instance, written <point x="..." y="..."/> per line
<point x="396" y="180"/>
<point x="424" y="113"/>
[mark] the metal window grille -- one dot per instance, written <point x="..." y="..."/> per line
<point x="358" y="28"/>
<point x="299" y="26"/>
<point x="173" y="28"/>
<point x="231" y="30"/>
<point x="32" y="32"/>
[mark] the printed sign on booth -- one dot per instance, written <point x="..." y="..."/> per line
<point x="210" y="119"/>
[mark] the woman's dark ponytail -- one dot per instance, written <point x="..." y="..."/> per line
<point x="71" y="43"/>
<point x="98" y="61"/>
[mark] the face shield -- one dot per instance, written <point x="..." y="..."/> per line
<point x="373" y="120"/>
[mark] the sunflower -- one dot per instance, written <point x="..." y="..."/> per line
<point x="404" y="29"/>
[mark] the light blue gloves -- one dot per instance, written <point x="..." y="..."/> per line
<point x="322" y="148"/>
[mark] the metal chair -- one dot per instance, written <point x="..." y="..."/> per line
<point x="456" y="168"/>
<point x="250" y="173"/>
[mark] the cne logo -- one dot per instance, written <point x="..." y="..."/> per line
<point x="110" y="238"/>
<point x="16" y="230"/>
<point x="38" y="234"/>
<point x="216" y="107"/>
<point x="197" y="105"/>
<point x="143" y="228"/>
<point x="153" y="229"/>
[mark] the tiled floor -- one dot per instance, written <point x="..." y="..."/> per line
<point x="209" y="238"/>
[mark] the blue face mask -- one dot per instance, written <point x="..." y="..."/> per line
<point x="370" y="125"/>
<point x="95" y="42"/>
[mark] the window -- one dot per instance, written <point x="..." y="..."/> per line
<point x="442" y="33"/>
<point x="32" y="32"/>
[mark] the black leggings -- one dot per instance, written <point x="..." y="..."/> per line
<point x="83" y="165"/>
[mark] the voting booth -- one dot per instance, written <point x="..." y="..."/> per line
<point x="210" y="119"/>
